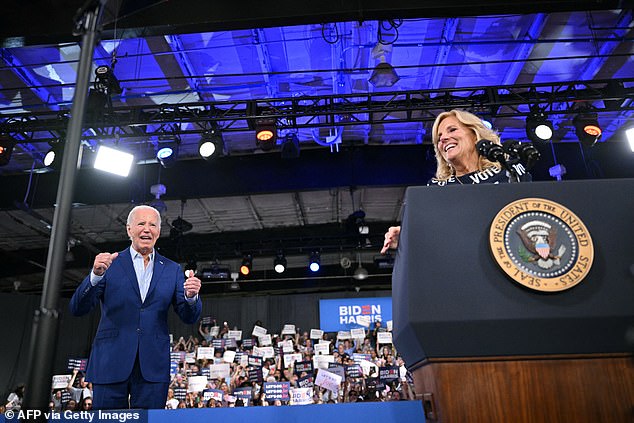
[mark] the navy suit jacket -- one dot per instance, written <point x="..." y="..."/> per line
<point x="129" y="326"/>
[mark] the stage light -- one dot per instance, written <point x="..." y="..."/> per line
<point x="279" y="264"/>
<point x="587" y="128"/>
<point x="113" y="161"/>
<point x="629" y="133"/>
<point x="247" y="264"/>
<point x="383" y="74"/>
<point x="538" y="127"/>
<point x="314" y="261"/>
<point x="167" y="155"/>
<point x="6" y="149"/>
<point x="53" y="156"/>
<point x="290" y="147"/>
<point x="266" y="133"/>
<point x="211" y="144"/>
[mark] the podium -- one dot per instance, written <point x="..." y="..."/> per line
<point x="484" y="348"/>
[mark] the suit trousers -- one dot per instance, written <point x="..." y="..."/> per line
<point x="136" y="392"/>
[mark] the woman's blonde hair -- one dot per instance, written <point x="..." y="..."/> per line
<point x="444" y="170"/>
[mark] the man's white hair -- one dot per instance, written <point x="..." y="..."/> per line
<point x="144" y="207"/>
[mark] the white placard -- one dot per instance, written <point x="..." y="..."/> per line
<point x="259" y="352"/>
<point x="235" y="334"/>
<point x="196" y="383"/>
<point x="286" y="346"/>
<point x="288" y="330"/>
<point x="229" y="356"/>
<point x="322" y="349"/>
<point x="367" y="365"/>
<point x="343" y="334"/>
<point x="357" y="333"/>
<point x="321" y="361"/>
<point x="60" y="381"/>
<point x="268" y="352"/>
<point x="328" y="380"/>
<point x="384" y="337"/>
<point x="301" y="396"/>
<point x="244" y="360"/>
<point x="258" y="331"/>
<point x="190" y="357"/>
<point x="214" y="331"/>
<point x="205" y="352"/>
<point x="364" y="321"/>
<point x="324" y="341"/>
<point x="389" y="325"/>
<point x="289" y="359"/>
<point x="219" y="371"/>
<point x="316" y="334"/>
<point x="264" y="340"/>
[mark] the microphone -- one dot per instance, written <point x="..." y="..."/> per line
<point x="492" y="151"/>
<point x="526" y="152"/>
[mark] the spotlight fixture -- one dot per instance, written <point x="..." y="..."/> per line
<point x="167" y="155"/>
<point x="314" y="261"/>
<point x="266" y="133"/>
<point x="53" y="156"/>
<point x="587" y="128"/>
<point x="279" y="264"/>
<point x="383" y="74"/>
<point x="113" y="161"/>
<point x="361" y="272"/>
<point x="106" y="81"/>
<point x="538" y="127"/>
<point x="247" y="264"/>
<point x="6" y="149"/>
<point x="211" y="144"/>
<point x="290" y="147"/>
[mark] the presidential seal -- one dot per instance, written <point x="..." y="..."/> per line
<point x="541" y="244"/>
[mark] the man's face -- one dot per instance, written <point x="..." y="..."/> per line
<point x="144" y="230"/>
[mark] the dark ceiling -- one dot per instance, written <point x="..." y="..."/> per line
<point x="187" y="67"/>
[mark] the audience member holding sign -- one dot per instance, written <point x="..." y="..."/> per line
<point x="454" y="135"/>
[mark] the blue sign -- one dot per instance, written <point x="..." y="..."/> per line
<point x="343" y="313"/>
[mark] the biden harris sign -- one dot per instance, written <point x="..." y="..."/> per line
<point x="352" y="313"/>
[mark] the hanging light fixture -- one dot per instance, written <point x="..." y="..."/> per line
<point x="383" y="74"/>
<point x="279" y="264"/>
<point x="361" y="272"/>
<point x="6" y="149"/>
<point x="247" y="264"/>
<point x="211" y="144"/>
<point x="587" y="128"/>
<point x="266" y="133"/>
<point x="314" y="261"/>
<point x="538" y="127"/>
<point x="113" y="160"/>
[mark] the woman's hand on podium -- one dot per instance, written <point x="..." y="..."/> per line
<point x="391" y="238"/>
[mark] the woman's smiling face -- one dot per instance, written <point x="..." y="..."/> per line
<point x="456" y="142"/>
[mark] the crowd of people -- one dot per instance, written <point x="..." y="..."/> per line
<point x="214" y="369"/>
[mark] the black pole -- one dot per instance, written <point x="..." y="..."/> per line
<point x="46" y="318"/>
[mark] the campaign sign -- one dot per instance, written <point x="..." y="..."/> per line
<point x="303" y="366"/>
<point x="79" y="364"/>
<point x="220" y="371"/>
<point x="180" y="393"/>
<point x="306" y="382"/>
<point x="288" y="330"/>
<point x="342" y="314"/>
<point x="206" y="371"/>
<point x="255" y="361"/>
<point x="212" y="394"/>
<point x="289" y="359"/>
<point x="384" y="338"/>
<point x="205" y="352"/>
<point x="255" y="375"/>
<point x="316" y="333"/>
<point x="60" y="381"/>
<point x="242" y="392"/>
<point x="277" y="391"/>
<point x="337" y="369"/>
<point x="258" y="331"/>
<point x="235" y="334"/>
<point x="173" y="368"/>
<point x="177" y="356"/>
<point x="389" y="373"/>
<point x="354" y="371"/>
<point x="66" y="396"/>
<point x="321" y="349"/>
<point x="374" y="383"/>
<point x="358" y="357"/>
<point x="248" y="343"/>
<point x="196" y="383"/>
<point x="301" y="396"/>
<point x="328" y="380"/>
<point x="230" y="343"/>
<point x="206" y="321"/>
<point x="218" y="343"/>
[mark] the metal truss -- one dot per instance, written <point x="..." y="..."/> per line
<point x="331" y="110"/>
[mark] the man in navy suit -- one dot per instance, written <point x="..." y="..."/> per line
<point x="129" y="364"/>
